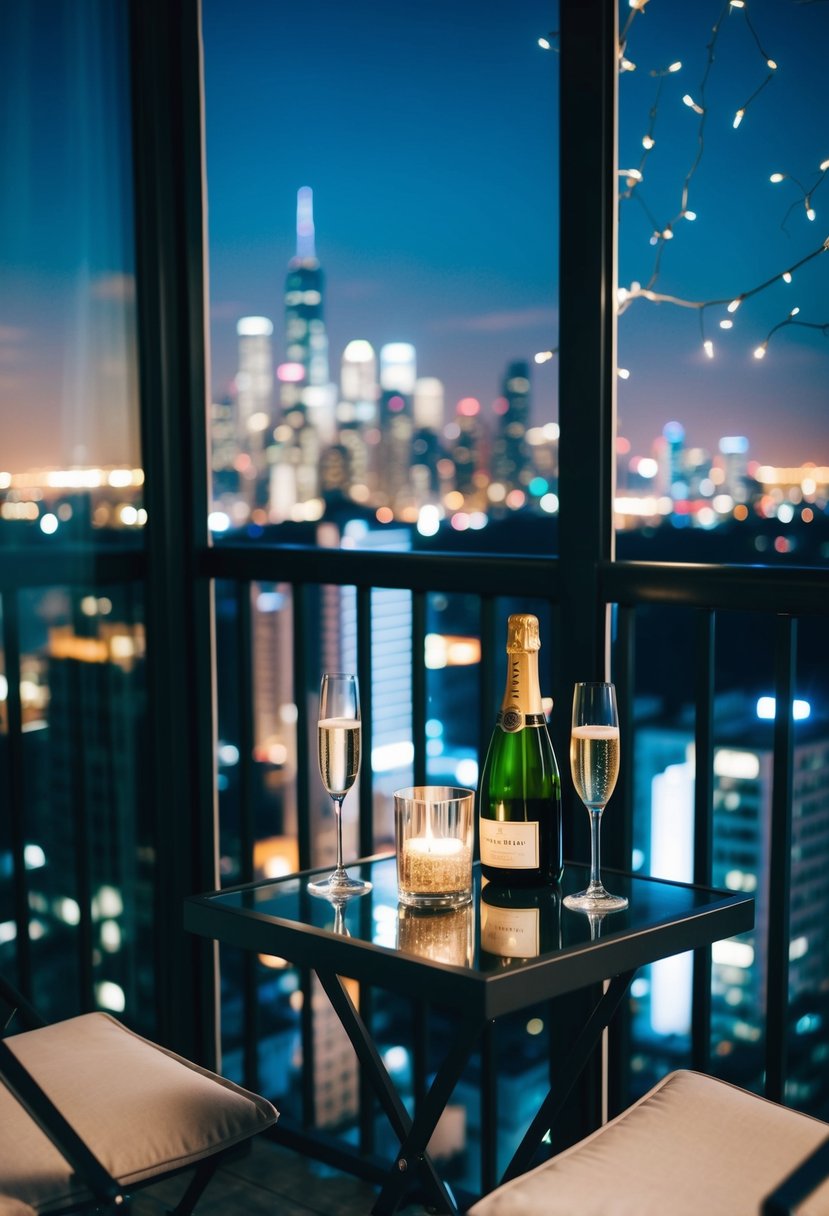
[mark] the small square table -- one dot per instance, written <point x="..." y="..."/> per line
<point x="507" y="952"/>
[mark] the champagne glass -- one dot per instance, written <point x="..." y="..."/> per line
<point x="338" y="732"/>
<point x="594" y="763"/>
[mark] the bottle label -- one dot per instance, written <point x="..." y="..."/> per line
<point x="509" y="846"/>
<point x="511" y="932"/>
<point x="512" y="720"/>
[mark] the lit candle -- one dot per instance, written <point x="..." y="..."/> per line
<point x="435" y="865"/>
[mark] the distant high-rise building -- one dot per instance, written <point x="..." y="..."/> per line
<point x="358" y="384"/>
<point x="398" y="369"/>
<point x="305" y="335"/>
<point x="428" y="403"/>
<point x="467" y="449"/>
<point x="306" y="394"/>
<point x="742" y="861"/>
<point x="254" y="381"/>
<point x="670" y="459"/>
<point x="510" y="454"/>
<point x="734" y="460"/>
<point x="398" y="375"/>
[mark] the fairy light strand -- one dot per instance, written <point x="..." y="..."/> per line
<point x="663" y="233"/>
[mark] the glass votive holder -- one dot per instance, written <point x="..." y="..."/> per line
<point x="444" y="936"/>
<point x="434" y="827"/>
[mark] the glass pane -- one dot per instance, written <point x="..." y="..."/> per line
<point x="71" y="459"/>
<point x="81" y="855"/>
<point x="723" y="448"/>
<point x="383" y="248"/>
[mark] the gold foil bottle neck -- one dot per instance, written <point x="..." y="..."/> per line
<point x="522" y="633"/>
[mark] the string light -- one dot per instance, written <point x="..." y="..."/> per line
<point x="661" y="231"/>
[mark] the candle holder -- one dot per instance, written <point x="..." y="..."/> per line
<point x="434" y="833"/>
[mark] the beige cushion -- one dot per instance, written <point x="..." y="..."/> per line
<point x="142" y="1110"/>
<point x="691" y="1145"/>
<point x="13" y="1207"/>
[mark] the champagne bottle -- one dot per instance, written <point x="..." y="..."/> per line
<point x="519" y="797"/>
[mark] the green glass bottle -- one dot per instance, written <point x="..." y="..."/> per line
<point x="519" y="796"/>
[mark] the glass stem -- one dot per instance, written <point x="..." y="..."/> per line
<point x="338" y="808"/>
<point x="595" y="825"/>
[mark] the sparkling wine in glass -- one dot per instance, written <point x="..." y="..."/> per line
<point x="338" y="734"/>
<point x="594" y="763"/>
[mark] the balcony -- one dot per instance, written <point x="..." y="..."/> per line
<point x="157" y="739"/>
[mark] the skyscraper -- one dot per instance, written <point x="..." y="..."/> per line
<point x="306" y="394"/>
<point x="398" y="374"/>
<point x="254" y="396"/>
<point x="510" y="454"/>
<point x="306" y="340"/>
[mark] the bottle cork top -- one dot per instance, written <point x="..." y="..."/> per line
<point x="522" y="633"/>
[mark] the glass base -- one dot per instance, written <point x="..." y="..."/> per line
<point x="595" y="899"/>
<point x="339" y="885"/>
<point x="435" y="901"/>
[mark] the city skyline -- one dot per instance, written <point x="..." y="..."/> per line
<point x="446" y="242"/>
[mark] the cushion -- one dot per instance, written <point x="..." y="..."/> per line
<point x="141" y="1109"/>
<point x="693" y="1144"/>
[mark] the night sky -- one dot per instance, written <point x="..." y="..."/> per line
<point x="428" y="134"/>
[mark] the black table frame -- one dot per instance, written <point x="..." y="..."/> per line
<point x="479" y="998"/>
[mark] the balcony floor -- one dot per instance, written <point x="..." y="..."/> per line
<point x="270" y="1181"/>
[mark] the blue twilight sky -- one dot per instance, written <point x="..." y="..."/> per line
<point x="428" y="133"/>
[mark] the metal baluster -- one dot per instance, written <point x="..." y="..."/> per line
<point x="777" y="982"/>
<point x="703" y="826"/>
<point x="247" y="826"/>
<point x="300" y="655"/>
<point x="15" y="788"/>
<point x="303" y="758"/>
<point x="620" y="835"/>
<point x="364" y="676"/>
<point x="419" y="686"/>
<point x="486" y="676"/>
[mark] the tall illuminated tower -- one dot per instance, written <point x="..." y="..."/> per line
<point x="305" y="334"/>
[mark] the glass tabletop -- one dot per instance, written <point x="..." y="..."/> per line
<point x="500" y="930"/>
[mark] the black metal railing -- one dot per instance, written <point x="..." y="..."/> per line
<point x="627" y="586"/>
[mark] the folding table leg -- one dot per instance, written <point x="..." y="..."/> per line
<point x="414" y="1135"/>
<point x="568" y="1074"/>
